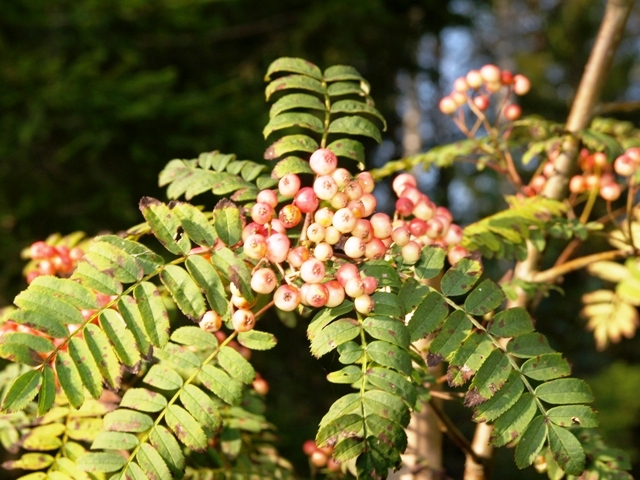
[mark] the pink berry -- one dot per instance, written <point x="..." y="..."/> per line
<point x="435" y="228"/>
<point x="306" y="200"/>
<point x="243" y="320"/>
<point x="342" y="177"/>
<point x="624" y="166"/>
<point x="277" y="247"/>
<point x="251" y="229"/>
<point x="362" y="230"/>
<point x="403" y="181"/>
<point x="610" y="192"/>
<point x="312" y="271"/>
<point x="325" y="187"/>
<point x="453" y="235"/>
<point x="481" y="102"/>
<point x="353" y="190"/>
<point x="41" y="250"/>
<point x="354" y="247"/>
<point x="346" y="272"/>
<point x="316" y="295"/>
<point x="270" y="197"/>
<point x="369" y="203"/>
<point x="344" y="220"/>
<point x="490" y="73"/>
<point x="448" y="105"/>
<point x="261" y="213"/>
<point x="381" y="225"/>
<point x="521" y="85"/>
<point x="290" y="216"/>
<point x="577" y="184"/>
<point x="417" y="227"/>
<point x="286" y="298"/>
<point x="424" y="209"/>
<point x="401" y="235"/>
<point x="308" y="447"/>
<point x="456" y="253"/>
<point x="354" y="287"/>
<point x="370" y="285"/>
<point x="297" y="256"/>
<point x="512" y="112"/>
<point x="474" y="79"/>
<point x="264" y="281"/>
<point x="289" y="185"/>
<point x="375" y="249"/>
<point x="537" y="183"/>
<point x="323" y="161"/>
<point x="278" y="227"/>
<point x="404" y="206"/>
<point x="365" y="179"/>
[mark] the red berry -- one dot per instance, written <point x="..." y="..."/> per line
<point x="41" y="250"/>
<point x="76" y="253"/>
<point x="318" y="459"/>
<point x="308" y="447"/>
<point x="374" y="249"/>
<point x="417" y="227"/>
<point x="298" y="256"/>
<point x="521" y="85"/>
<point x="270" y="197"/>
<point x="253" y="228"/>
<point x="402" y="181"/>
<point x="46" y="267"/>
<point x="370" y="285"/>
<point x="262" y="213"/>
<point x="512" y="112"/>
<point x="506" y="77"/>
<point x="404" y="206"/>
<point x="261" y="386"/>
<point x="481" y="102"/>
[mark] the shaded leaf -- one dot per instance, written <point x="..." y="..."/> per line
<point x="546" y="367"/>
<point x="104" y="355"/>
<point x="295" y="65"/>
<point x="348" y="148"/>
<point x="510" y="323"/>
<point x="168" y="448"/>
<point x="47" y="390"/>
<point x="484" y="298"/>
<point x="162" y="377"/>
<point x="355" y="125"/>
<point x="101" y="462"/>
<point x="114" y="441"/>
<point x="512" y="423"/>
<point x="289" y="144"/>
<point x="152" y="463"/>
<point x="297" y="82"/>
<point x="132" y="318"/>
<point x="428" y="316"/>
<point x="564" y="390"/>
<point x="69" y="379"/>
<point x="392" y="382"/>
<point x="490" y="378"/>
<point x="121" y="338"/>
<point x="531" y="442"/>
<point x="71" y="292"/>
<point x="335" y="334"/>
<point x="22" y="391"/>
<point x="294" y="101"/>
<point x="566" y="450"/>
<point x="234" y="270"/>
<point x="461" y="278"/>
<point x="86" y="365"/>
<point x="472" y="353"/>
<point x="153" y="312"/>
<point x="194" y="337"/>
<point x="110" y="259"/>
<point x="96" y="280"/>
<point x="431" y="262"/>
<point x="387" y="329"/>
<point x="501" y="401"/>
<point x="454" y="330"/>
<point x="200" y="405"/>
<point x="529" y="345"/>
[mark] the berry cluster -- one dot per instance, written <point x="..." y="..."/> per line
<point x="478" y="86"/>
<point x="320" y="457"/>
<point x="53" y="260"/>
<point x="596" y="174"/>
<point x="339" y="231"/>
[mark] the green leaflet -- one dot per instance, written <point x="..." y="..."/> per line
<point x="566" y="450"/>
<point x="431" y="262"/>
<point x="511" y="323"/>
<point x="389" y="355"/>
<point x="101" y="462"/>
<point x="121" y="338"/>
<point x="152" y="463"/>
<point x="22" y="391"/>
<point x="218" y="382"/>
<point x="529" y="345"/>
<point x="290" y="143"/>
<point x="387" y="329"/>
<point x="564" y="391"/>
<point x="92" y="278"/>
<point x="168" y="448"/>
<point x="461" y="278"/>
<point x="354" y="106"/>
<point x="384" y="272"/>
<point x="342" y="427"/>
<point x="40" y="321"/>
<point x="348" y="374"/>
<point x="162" y="377"/>
<point x="297" y="82"/>
<point x="234" y="270"/>
<point x="236" y="365"/>
<point x="501" y="401"/>
<point x="124" y="420"/>
<point x="69" y="379"/>
<point x="179" y="357"/>
<point x="386" y="405"/>
<point x="86" y="365"/>
<point x="531" y="442"/>
<point x="228" y="222"/>
<point x="325" y="316"/>
<point x="114" y="441"/>
<point x="165" y="225"/>
<point x="184" y="291"/>
<point x="454" y="330"/>
<point x="71" y="292"/>
<point x="47" y="390"/>
<point x="343" y="406"/>
<point x="567" y="416"/>
<point x="335" y="73"/>
<point x="291" y="165"/>
<point x="49" y="305"/>
<point x="148" y="259"/>
<point x="186" y="428"/>
<point x="209" y="280"/>
<point x="484" y="298"/>
<point x="546" y="367"/>
<point x="294" y="65"/>
<point x="200" y="405"/>
<point x="430" y="313"/>
<point x="290" y="120"/>
<point x="143" y="400"/>
<point x="294" y="101"/>
<point x="355" y="125"/>
<point x="490" y="378"/>
<point x="387" y="304"/>
<point x="347" y="148"/>
<point x="257" y="340"/>
<point x="132" y="318"/>
<point x="471" y="355"/>
<point x="334" y="334"/>
<point x="106" y="257"/>
<point x="195" y="224"/>
<point x="509" y="426"/>
<point x="194" y="337"/>
<point x="153" y="312"/>
<point x="339" y="89"/>
<point x="392" y="382"/>
<point x="104" y="355"/>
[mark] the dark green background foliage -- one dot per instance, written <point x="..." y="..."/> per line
<point x="96" y="96"/>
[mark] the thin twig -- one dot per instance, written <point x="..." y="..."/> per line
<point x="553" y="273"/>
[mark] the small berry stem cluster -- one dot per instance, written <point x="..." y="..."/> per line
<point x="597" y="175"/>
<point x="478" y="87"/>
<point x="53" y="260"/>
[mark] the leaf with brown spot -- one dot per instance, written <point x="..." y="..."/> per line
<point x="186" y="428"/>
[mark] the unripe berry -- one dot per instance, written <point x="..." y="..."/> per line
<point x="239" y="301"/>
<point x="323" y="251"/>
<point x="490" y="73"/>
<point x="76" y="254"/>
<point x="548" y="170"/>
<point x="354" y="247"/>
<point x="363" y="304"/>
<point x="323" y="216"/>
<point x="312" y="271"/>
<point x="316" y="232"/>
<point x="346" y="272"/>
<point x="264" y="281"/>
<point x="318" y="459"/>
<point x="316" y="295"/>
<point x="435" y="228"/>
<point x="453" y="235"/>
<point x="403" y="181"/>
<point x="344" y="220"/>
<point x="493" y="86"/>
<point x="332" y="235"/>
<point x="290" y="216"/>
<point x="210" y="321"/>
<point x="610" y="192"/>
<point x="370" y="285"/>
<point x="577" y="184"/>
<point x="460" y="85"/>
<point x="600" y="159"/>
<point x="340" y="200"/>
<point x="251" y="229"/>
<point x="592" y="181"/>
<point x="277" y="227"/>
<point x="624" y="166"/>
<point x="306" y="200"/>
<point x="286" y="298"/>
<point x="357" y="207"/>
<point x="634" y="154"/>
<point x="401" y="235"/>
<point x="424" y="209"/>
<point x="243" y="320"/>
<point x="262" y="213"/>
<point x="353" y="190"/>
<point x="381" y="225"/>
<point x="289" y="185"/>
<point x="456" y="253"/>
<point x="459" y="97"/>
<point x="255" y="246"/>
<point x="342" y="177"/>
<point x="323" y="161"/>
<point x="411" y="252"/>
<point x="374" y="249"/>
<point x="354" y="287"/>
<point x="362" y="230"/>
<point x="325" y="187"/>
<point x="369" y="202"/>
<point x="333" y="465"/>
<point x="297" y="256"/>
<point x="404" y="206"/>
<point x="474" y="79"/>
<point x="512" y="112"/>
<point x="268" y="196"/>
<point x="521" y="85"/>
<point x="448" y="105"/>
<point x="277" y="248"/>
<point x="336" y="293"/>
<point x="261" y="386"/>
<point x="365" y="179"/>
